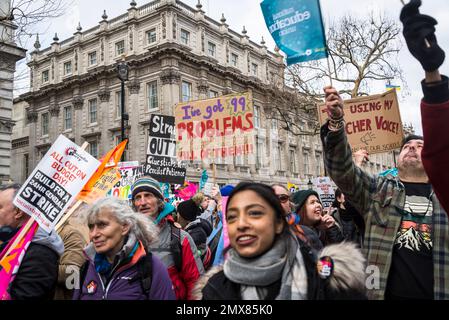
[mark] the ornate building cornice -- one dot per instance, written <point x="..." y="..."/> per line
<point x="77" y="102"/>
<point x="134" y="86"/>
<point x="31" y="116"/>
<point x="54" y="110"/>
<point x="104" y="95"/>
<point x="170" y="76"/>
<point x="203" y="86"/>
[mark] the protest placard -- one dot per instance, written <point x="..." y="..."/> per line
<point x="323" y="186"/>
<point x="372" y="123"/>
<point x="161" y="163"/>
<point x="55" y="181"/>
<point x="297" y="28"/>
<point x="129" y="172"/>
<point x="219" y="127"/>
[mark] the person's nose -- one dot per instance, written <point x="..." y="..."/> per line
<point x="242" y="223"/>
<point x="93" y="233"/>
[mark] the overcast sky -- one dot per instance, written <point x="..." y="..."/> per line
<point x="247" y="13"/>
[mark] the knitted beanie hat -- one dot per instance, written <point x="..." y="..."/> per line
<point x="188" y="210"/>
<point x="146" y="183"/>
<point x="300" y="197"/>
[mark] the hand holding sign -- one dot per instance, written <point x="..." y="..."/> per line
<point x="419" y="34"/>
<point x="334" y="103"/>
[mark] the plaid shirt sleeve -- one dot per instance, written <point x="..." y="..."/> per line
<point x="355" y="183"/>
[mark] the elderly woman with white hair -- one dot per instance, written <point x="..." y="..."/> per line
<point x="119" y="265"/>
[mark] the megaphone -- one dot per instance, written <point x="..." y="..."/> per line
<point x="369" y="136"/>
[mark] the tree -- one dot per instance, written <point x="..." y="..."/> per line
<point x="361" y="51"/>
<point x="25" y="16"/>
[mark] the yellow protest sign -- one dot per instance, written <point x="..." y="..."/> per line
<point x="215" y="128"/>
<point x="372" y="122"/>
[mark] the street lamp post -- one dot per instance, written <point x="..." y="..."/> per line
<point x="122" y="73"/>
<point x="310" y="185"/>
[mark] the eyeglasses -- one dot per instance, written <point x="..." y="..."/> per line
<point x="283" y="198"/>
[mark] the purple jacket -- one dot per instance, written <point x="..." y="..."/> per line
<point x="121" y="288"/>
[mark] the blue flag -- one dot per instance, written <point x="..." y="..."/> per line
<point x="297" y="28"/>
<point x="203" y="180"/>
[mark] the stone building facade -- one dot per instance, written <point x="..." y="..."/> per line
<point x="175" y="53"/>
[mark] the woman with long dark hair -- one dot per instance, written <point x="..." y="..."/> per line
<point x="266" y="261"/>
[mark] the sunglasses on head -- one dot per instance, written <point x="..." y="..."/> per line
<point x="283" y="198"/>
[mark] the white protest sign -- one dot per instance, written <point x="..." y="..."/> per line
<point x="323" y="186"/>
<point x="56" y="180"/>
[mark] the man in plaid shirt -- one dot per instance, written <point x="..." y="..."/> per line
<point x="407" y="230"/>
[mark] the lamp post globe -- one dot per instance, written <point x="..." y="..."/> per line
<point x="310" y="185"/>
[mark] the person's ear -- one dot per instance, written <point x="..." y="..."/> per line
<point x="279" y="226"/>
<point x="125" y="229"/>
<point x="18" y="214"/>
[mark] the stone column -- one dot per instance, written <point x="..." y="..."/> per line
<point x="9" y="55"/>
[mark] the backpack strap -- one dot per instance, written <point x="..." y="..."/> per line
<point x="83" y="273"/>
<point x="176" y="246"/>
<point x="145" y="272"/>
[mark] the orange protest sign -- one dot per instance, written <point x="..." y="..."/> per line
<point x="106" y="176"/>
<point x="372" y="123"/>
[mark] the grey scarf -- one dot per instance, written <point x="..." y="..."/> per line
<point x="283" y="262"/>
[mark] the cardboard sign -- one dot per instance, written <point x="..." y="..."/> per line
<point x="215" y="128"/>
<point x="161" y="163"/>
<point x="56" y="180"/>
<point x="129" y="172"/>
<point x="323" y="186"/>
<point x="372" y="123"/>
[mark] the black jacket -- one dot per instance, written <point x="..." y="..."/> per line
<point x="38" y="274"/>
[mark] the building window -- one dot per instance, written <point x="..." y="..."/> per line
<point x="186" y="91"/>
<point x="259" y="152"/>
<point x="93" y="148"/>
<point x="44" y="76"/>
<point x="152" y="95"/>
<point x="318" y="165"/>
<point x="256" y="117"/>
<point x="92" y="110"/>
<point x="211" y="48"/>
<point x="277" y="155"/>
<point x="67" y="67"/>
<point x="118" y="104"/>
<point x="151" y="36"/>
<point x="26" y="166"/>
<point x="92" y="57"/>
<point x="293" y="161"/>
<point x="67" y="118"/>
<point x="213" y="94"/>
<point x="44" y="124"/>
<point x="120" y="48"/>
<point x="185" y="37"/>
<point x="254" y="69"/>
<point x="306" y="162"/>
<point x="234" y="59"/>
<point x="43" y="152"/>
<point x="274" y="125"/>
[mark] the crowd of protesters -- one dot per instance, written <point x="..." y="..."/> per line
<point x="281" y="245"/>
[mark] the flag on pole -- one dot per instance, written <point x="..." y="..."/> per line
<point x="297" y="28"/>
<point x="10" y="263"/>
<point x="392" y="87"/>
<point x="106" y="176"/>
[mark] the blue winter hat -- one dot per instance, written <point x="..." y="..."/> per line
<point x="226" y="190"/>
